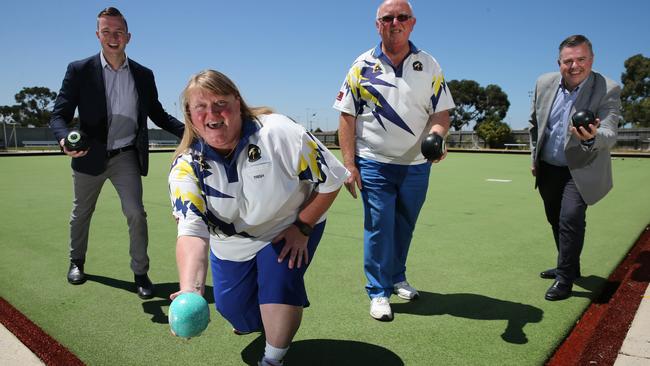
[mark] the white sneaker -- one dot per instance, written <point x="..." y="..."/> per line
<point x="405" y="291"/>
<point x="380" y="309"/>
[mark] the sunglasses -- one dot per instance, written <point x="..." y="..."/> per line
<point x="390" y="18"/>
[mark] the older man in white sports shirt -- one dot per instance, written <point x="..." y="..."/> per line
<point x="392" y="97"/>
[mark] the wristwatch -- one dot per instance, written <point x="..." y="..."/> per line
<point x="304" y="228"/>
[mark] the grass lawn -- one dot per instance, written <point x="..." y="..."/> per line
<point x="480" y="243"/>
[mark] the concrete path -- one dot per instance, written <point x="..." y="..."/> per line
<point x="636" y="346"/>
<point x="13" y="352"/>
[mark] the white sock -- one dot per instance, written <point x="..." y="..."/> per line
<point x="274" y="355"/>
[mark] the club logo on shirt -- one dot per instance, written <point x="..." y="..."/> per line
<point x="254" y="153"/>
<point x="339" y="96"/>
<point x="417" y="66"/>
<point x="377" y="68"/>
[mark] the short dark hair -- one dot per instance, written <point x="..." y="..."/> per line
<point x="112" y="12"/>
<point x="576" y="40"/>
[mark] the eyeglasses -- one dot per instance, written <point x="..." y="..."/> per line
<point x="390" y="18"/>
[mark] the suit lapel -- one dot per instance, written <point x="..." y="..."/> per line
<point x="98" y="81"/>
<point x="546" y="101"/>
<point x="584" y="96"/>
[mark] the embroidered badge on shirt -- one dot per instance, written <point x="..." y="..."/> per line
<point x="417" y="66"/>
<point x="254" y="153"/>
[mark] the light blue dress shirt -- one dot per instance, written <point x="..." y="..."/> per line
<point x="121" y="105"/>
<point x="557" y="127"/>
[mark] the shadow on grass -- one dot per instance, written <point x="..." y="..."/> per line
<point x="325" y="352"/>
<point x="479" y="307"/>
<point x="154" y="306"/>
<point x="599" y="290"/>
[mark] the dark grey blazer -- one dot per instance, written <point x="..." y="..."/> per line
<point x="83" y="88"/>
<point x="590" y="167"/>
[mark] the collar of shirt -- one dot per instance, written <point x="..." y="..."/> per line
<point x="105" y="63"/>
<point x="378" y="53"/>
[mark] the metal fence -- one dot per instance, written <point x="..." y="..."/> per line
<point x="633" y="139"/>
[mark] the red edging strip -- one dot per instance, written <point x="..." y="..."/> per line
<point x="596" y="338"/>
<point x="40" y="343"/>
<point x="600" y="332"/>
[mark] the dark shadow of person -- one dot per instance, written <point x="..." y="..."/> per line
<point x="600" y="290"/>
<point x="479" y="307"/>
<point x="154" y="306"/>
<point x="642" y="272"/>
<point x="315" y="352"/>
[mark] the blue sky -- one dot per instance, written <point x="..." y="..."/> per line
<point x="293" y="55"/>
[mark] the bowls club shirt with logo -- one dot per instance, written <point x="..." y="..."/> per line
<point x="243" y="203"/>
<point x="392" y="105"/>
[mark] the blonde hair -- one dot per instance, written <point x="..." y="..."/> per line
<point x="217" y="83"/>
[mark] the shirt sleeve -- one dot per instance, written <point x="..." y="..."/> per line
<point x="441" y="99"/>
<point x="319" y="166"/>
<point x="347" y="99"/>
<point x="188" y="204"/>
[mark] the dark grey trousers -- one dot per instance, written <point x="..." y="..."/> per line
<point x="124" y="174"/>
<point x="566" y="212"/>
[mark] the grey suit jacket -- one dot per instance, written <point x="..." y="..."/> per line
<point x="590" y="167"/>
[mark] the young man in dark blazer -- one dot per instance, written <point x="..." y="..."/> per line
<point x="572" y="166"/>
<point x="114" y="96"/>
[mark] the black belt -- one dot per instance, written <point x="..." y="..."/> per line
<point x="113" y="153"/>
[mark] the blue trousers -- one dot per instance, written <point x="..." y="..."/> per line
<point x="392" y="198"/>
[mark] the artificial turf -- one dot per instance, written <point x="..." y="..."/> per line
<point x="480" y="243"/>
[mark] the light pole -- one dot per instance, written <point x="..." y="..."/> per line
<point x="4" y="131"/>
<point x="311" y="129"/>
<point x="310" y="117"/>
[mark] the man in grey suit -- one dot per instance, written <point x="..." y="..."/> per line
<point x="572" y="167"/>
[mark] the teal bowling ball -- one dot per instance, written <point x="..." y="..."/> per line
<point x="189" y="315"/>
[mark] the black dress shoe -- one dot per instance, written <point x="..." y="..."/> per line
<point x="143" y="286"/>
<point x="76" y="274"/>
<point x="548" y="274"/>
<point x="558" y="291"/>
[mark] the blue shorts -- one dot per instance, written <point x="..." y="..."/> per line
<point x="240" y="287"/>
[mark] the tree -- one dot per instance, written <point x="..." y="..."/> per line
<point x="9" y="113"/>
<point x="493" y="131"/>
<point x="636" y="91"/>
<point x="496" y="103"/>
<point x="35" y="103"/>
<point x="33" y="107"/>
<point x="476" y="104"/>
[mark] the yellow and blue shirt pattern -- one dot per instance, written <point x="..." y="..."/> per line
<point x="241" y="204"/>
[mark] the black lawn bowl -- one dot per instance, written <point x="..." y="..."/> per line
<point x="76" y="141"/>
<point x="583" y="118"/>
<point x="433" y="147"/>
